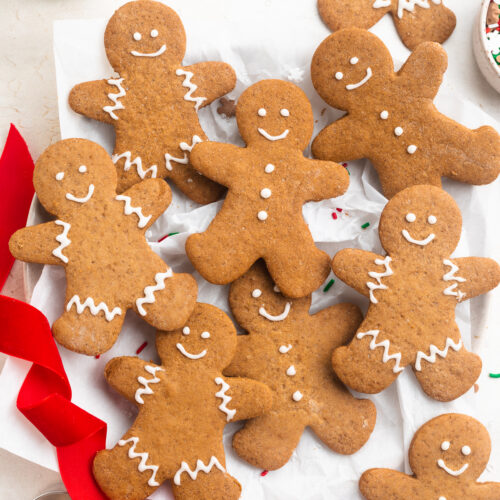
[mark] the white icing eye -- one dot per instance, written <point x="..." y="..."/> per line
<point x="432" y="219"/>
<point x="137" y="36"/>
<point x="412" y="149"/>
<point x="262" y="112"/>
<point x="285" y="113"/>
<point x="256" y="293"/>
<point x="186" y="330"/>
<point x="154" y="33"/>
<point x="59" y="176"/>
<point x="411" y="217"/>
<point x="82" y="169"/>
<point x="205" y="335"/>
<point x="354" y="60"/>
<point x="466" y="450"/>
<point x="445" y="445"/>
<point x="384" y="115"/>
<point x="339" y="75"/>
<point x="269" y="168"/>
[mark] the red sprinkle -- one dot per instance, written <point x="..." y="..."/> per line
<point x="339" y="210"/>
<point x="264" y="473"/>
<point x="334" y="216"/>
<point x="163" y="238"/>
<point x="344" y="165"/>
<point x="143" y="346"/>
<point x="98" y="356"/>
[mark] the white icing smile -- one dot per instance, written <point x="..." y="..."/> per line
<point x="86" y="198"/>
<point x="422" y="243"/>
<point x="159" y="52"/>
<point x="354" y="86"/>
<point x="280" y="317"/>
<point x="270" y="137"/>
<point x="452" y="472"/>
<point x="189" y="355"/>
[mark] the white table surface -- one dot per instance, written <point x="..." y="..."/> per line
<point x="28" y="99"/>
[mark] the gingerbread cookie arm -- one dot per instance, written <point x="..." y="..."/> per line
<point x="212" y="79"/>
<point x="353" y="266"/>
<point x="42" y="244"/>
<point x="381" y="484"/>
<point x="249" y="350"/>
<point x="344" y="320"/>
<point x="324" y="179"/>
<point x="147" y="200"/>
<point x="99" y="100"/>
<point x="486" y="491"/>
<point x="422" y="74"/>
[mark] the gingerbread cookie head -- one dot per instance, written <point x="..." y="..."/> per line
<point x="143" y="35"/>
<point x="71" y="173"/>
<point x="257" y="303"/>
<point x="423" y="218"/>
<point x="274" y="112"/>
<point x="349" y="65"/>
<point x="457" y="445"/>
<point x="207" y="339"/>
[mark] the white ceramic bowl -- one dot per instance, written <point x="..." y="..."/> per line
<point x="489" y="68"/>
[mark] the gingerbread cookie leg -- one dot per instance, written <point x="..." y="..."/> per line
<point x="283" y="431"/>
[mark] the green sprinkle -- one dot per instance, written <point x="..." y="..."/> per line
<point x="365" y="225"/>
<point x="172" y="234"/>
<point x="330" y="284"/>
<point x="494" y="375"/>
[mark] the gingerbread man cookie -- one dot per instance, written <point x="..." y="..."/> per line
<point x="416" y="21"/>
<point x="154" y="101"/>
<point x="99" y="239"/>
<point x="413" y="292"/>
<point x="447" y="456"/>
<point x="268" y="181"/>
<point x="184" y="405"/>
<point x="391" y="118"/>
<point x="290" y="350"/>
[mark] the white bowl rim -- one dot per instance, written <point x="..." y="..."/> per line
<point x="482" y="25"/>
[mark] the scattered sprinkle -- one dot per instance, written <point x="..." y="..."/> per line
<point x="476" y="387"/>
<point x="329" y="285"/>
<point x="334" y="216"/>
<point x="264" y="473"/>
<point x="98" y="356"/>
<point x="494" y="375"/>
<point x="339" y="210"/>
<point x="365" y="225"/>
<point x="166" y="236"/>
<point x="345" y="166"/>
<point x="141" y="348"/>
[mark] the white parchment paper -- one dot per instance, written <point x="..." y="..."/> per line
<point x="276" y="42"/>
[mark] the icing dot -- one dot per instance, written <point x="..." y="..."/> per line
<point x="442" y="498"/>
<point x="59" y="176"/>
<point x="466" y="450"/>
<point x="339" y="75"/>
<point x="285" y="112"/>
<point x="432" y="219"/>
<point x="411" y="217"/>
<point x="137" y="36"/>
<point x="354" y="60"/>
<point x="154" y="33"/>
<point x="291" y="371"/>
<point x="82" y="169"/>
<point x="276" y="288"/>
<point x="412" y="149"/>
<point x="262" y="215"/>
<point x="269" y="168"/>
<point x="179" y="72"/>
<point x="205" y="335"/>
<point x="284" y="349"/>
<point x="265" y="193"/>
<point x="384" y="115"/>
<point x="297" y="396"/>
<point x="445" y="445"/>
<point x="186" y="330"/>
<point x="398" y="131"/>
<point x="262" y="112"/>
<point x="256" y="293"/>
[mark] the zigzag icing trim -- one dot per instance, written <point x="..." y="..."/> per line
<point x="434" y="351"/>
<point x="115" y="98"/>
<point x="94" y="310"/>
<point x="450" y="276"/>
<point x="143" y="467"/>
<point x="225" y="398"/>
<point x="386" y="345"/>
<point x="128" y="209"/>
<point x="378" y="276"/>
<point x="63" y="240"/>
<point x="184" y="146"/>
<point x="403" y="5"/>
<point x="145" y="382"/>
<point x="200" y="467"/>
<point x="138" y="165"/>
<point x="192" y="88"/>
<point x="149" y="291"/>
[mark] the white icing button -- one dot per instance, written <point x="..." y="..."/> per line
<point x="137" y="36"/>
<point x="269" y="168"/>
<point x="398" y="131"/>
<point x="354" y="60"/>
<point x="154" y="33"/>
<point x="432" y="219"/>
<point x="262" y="112"/>
<point x="256" y="293"/>
<point x="285" y="348"/>
<point x="59" y="176"/>
<point x="186" y="330"/>
<point x="297" y="396"/>
<point x="411" y="217"/>
<point x="82" y="169"/>
<point x="339" y="75"/>
<point x="285" y="113"/>
<point x="445" y="445"/>
<point x="412" y="149"/>
<point x="384" y="115"/>
<point x="205" y="335"/>
<point x="265" y="193"/>
<point x="466" y="450"/>
<point x="262" y="215"/>
<point x="291" y="371"/>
